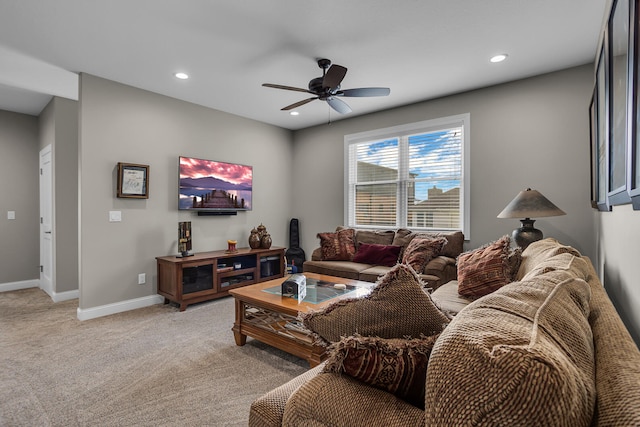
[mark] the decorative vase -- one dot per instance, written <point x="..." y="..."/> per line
<point x="254" y="239"/>
<point x="265" y="242"/>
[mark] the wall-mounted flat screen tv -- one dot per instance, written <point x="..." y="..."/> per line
<point x="209" y="185"/>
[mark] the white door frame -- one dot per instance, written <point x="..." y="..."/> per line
<point x="47" y="276"/>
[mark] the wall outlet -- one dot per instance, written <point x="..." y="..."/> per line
<point x="142" y="278"/>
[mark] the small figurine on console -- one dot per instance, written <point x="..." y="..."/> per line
<point x="232" y="246"/>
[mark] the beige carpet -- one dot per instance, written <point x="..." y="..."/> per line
<point x="150" y="367"/>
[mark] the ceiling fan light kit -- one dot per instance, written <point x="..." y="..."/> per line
<point x="327" y="88"/>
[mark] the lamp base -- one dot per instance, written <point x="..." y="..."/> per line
<point x="526" y="234"/>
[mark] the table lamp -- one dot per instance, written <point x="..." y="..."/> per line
<point x="529" y="204"/>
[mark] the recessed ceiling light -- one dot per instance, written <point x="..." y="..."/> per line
<point x="182" y="76"/>
<point x="499" y="58"/>
<point x="294" y="113"/>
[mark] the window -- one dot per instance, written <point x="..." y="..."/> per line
<point x="412" y="176"/>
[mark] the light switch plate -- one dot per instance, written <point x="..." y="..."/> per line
<point x="115" y="216"/>
<point x="11" y="214"/>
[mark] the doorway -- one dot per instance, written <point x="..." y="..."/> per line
<point x="46" y="230"/>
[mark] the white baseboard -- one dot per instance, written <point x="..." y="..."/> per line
<point x="14" y="286"/>
<point x="119" y="307"/>
<point x="65" y="296"/>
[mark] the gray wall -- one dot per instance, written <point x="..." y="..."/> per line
<point x="19" y="189"/>
<point x="529" y="133"/>
<point x="618" y="235"/>
<point x="119" y="123"/>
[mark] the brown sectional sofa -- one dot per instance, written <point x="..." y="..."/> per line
<point x="547" y="349"/>
<point x="438" y="271"/>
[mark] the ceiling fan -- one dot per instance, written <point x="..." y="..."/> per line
<point x="327" y="88"/>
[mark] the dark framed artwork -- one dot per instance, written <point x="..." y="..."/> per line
<point x="133" y="181"/>
<point x="633" y="153"/>
<point x="599" y="156"/>
<point x="593" y="137"/>
<point x="618" y="80"/>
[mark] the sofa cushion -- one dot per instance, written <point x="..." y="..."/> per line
<point x="338" y="246"/>
<point x="448" y="299"/>
<point x="346" y="269"/>
<point x="396" y="308"/>
<point x="379" y="237"/>
<point x="374" y="273"/>
<point x="486" y="269"/>
<point x="376" y="254"/>
<point x="398" y="366"/>
<point x="422" y="250"/>
<point x="339" y="400"/>
<point x="452" y="249"/>
<point x="267" y="410"/>
<point x="522" y="355"/>
<point x="540" y="251"/>
<point x="455" y="242"/>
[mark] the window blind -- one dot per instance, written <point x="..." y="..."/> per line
<point x="410" y="176"/>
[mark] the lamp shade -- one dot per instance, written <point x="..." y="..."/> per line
<point x="530" y="204"/>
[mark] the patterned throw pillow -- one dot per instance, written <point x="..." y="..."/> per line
<point x="338" y="246"/>
<point x="397" y="307"/>
<point x="422" y="250"/>
<point x="486" y="269"/>
<point x="398" y="366"/>
<point x="370" y="253"/>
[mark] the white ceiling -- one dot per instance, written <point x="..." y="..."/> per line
<point x="421" y="49"/>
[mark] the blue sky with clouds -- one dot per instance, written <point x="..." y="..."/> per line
<point x="435" y="156"/>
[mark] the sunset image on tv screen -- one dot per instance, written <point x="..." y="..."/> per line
<point x="213" y="185"/>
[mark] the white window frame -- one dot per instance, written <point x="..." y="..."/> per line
<point x="433" y="125"/>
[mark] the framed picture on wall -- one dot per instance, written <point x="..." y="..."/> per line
<point x="618" y="85"/>
<point x="593" y="134"/>
<point x="599" y="134"/>
<point x="133" y="181"/>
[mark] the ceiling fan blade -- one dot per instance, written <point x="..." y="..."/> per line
<point x="334" y="76"/>
<point x="339" y="105"/>
<point x="365" y="91"/>
<point x="297" y="104"/>
<point x="297" y="89"/>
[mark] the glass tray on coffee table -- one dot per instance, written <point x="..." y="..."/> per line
<point x="321" y="290"/>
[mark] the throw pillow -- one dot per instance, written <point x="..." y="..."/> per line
<point x="374" y="254"/>
<point x="486" y="269"/>
<point x="402" y="238"/>
<point x="398" y="366"/>
<point x="455" y="242"/>
<point x="338" y="246"/>
<point x="422" y="250"/>
<point x="397" y="307"/>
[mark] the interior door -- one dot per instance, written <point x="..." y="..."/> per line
<point x="46" y="208"/>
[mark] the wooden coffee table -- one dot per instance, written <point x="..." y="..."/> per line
<point x="262" y="313"/>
